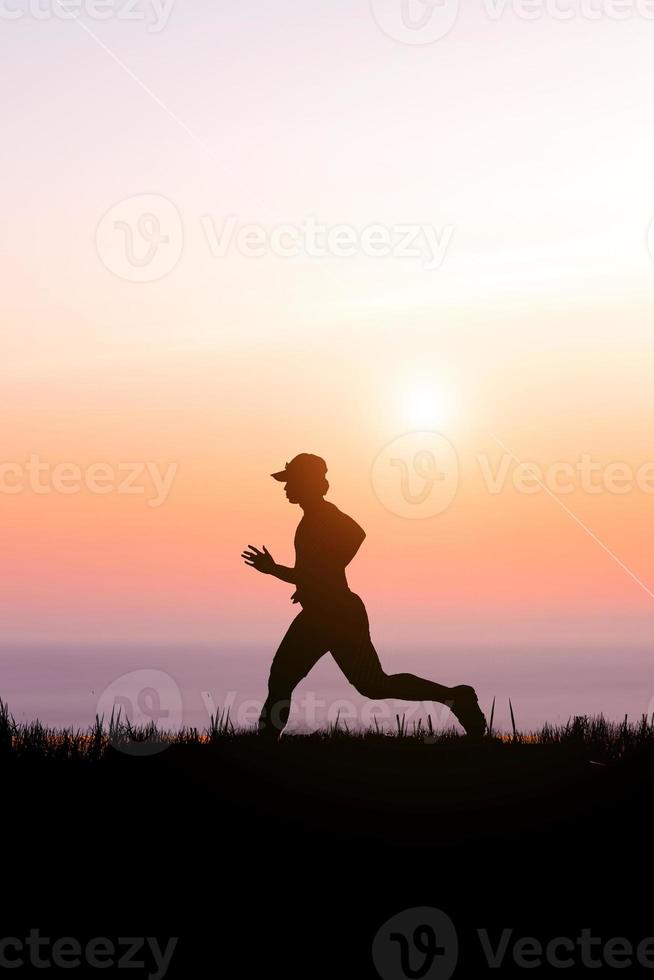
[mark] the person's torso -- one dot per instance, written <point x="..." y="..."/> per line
<point x="321" y="579"/>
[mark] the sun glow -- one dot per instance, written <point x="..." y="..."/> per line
<point x="427" y="406"/>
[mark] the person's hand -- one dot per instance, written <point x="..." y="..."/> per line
<point x="263" y="561"/>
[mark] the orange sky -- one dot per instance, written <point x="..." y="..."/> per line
<point x="87" y="563"/>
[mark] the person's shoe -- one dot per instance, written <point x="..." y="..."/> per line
<point x="467" y="711"/>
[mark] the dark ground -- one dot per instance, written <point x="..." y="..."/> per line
<point x="287" y="860"/>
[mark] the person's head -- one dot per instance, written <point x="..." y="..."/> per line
<point x="305" y="479"/>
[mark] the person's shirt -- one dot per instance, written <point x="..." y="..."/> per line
<point x="326" y="541"/>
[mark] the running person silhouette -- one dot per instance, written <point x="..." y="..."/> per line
<point x="334" y="619"/>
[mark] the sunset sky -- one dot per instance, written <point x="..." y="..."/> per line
<point x="526" y="146"/>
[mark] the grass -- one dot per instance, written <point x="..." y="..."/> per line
<point x="383" y="796"/>
<point x="340" y="827"/>
<point x="606" y="741"/>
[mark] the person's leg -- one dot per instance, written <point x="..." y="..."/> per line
<point x="353" y="651"/>
<point x="300" y="649"/>
<point x="359" y="661"/>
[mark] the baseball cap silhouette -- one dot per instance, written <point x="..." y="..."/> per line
<point x="305" y="466"/>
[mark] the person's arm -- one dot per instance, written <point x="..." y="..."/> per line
<point x="264" y="562"/>
<point x="350" y="541"/>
